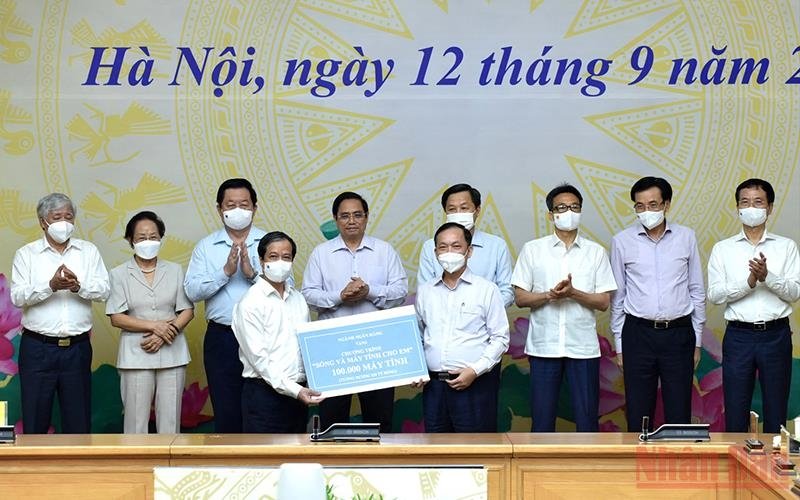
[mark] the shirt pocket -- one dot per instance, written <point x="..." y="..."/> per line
<point x="583" y="279"/>
<point x="470" y="318"/>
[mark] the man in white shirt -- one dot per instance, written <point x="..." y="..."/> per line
<point x="464" y="334"/>
<point x="490" y="257"/>
<point x="563" y="278"/>
<point x="274" y="396"/>
<point x="756" y="274"/>
<point x="54" y="281"/>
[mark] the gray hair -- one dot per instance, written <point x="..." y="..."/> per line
<point x="54" y="201"/>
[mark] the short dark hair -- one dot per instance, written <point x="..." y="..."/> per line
<point x="272" y="237"/>
<point x="460" y="188"/>
<point x="236" y="183"/>
<point x="130" y="227"/>
<point x="646" y="183"/>
<point x="757" y="183"/>
<point x="453" y="225"/>
<point x="563" y="188"/>
<point x="348" y="195"/>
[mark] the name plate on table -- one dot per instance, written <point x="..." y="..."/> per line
<point x="363" y="352"/>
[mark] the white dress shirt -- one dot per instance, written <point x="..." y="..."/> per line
<point x="62" y="313"/>
<point x="265" y="324"/>
<point x="463" y="327"/>
<point x="563" y="328"/>
<point x="728" y="271"/>
<point x="490" y="259"/>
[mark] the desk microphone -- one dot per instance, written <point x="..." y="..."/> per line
<point x="645" y="428"/>
<point x="315" y="427"/>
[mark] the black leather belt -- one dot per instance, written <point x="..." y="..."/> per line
<point x="661" y="324"/>
<point x="761" y="326"/>
<point x="59" y="341"/>
<point x="442" y="376"/>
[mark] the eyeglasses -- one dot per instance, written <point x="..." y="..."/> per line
<point x="757" y="203"/>
<point x="356" y="216"/>
<point x="562" y="208"/>
<point x="650" y="207"/>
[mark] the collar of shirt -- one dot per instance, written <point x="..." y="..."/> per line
<point x="339" y="244"/>
<point x="267" y="288"/>
<point x="764" y="237"/>
<point x="479" y="239"/>
<point x="466" y="277"/>
<point x="222" y="236"/>
<point x="44" y="245"/>
<point x="134" y="266"/>
<point x="642" y="231"/>
<point x="556" y="241"/>
<point x="135" y="271"/>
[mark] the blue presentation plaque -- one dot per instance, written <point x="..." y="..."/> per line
<point x="363" y="352"/>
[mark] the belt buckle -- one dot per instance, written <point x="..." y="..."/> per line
<point x="63" y="342"/>
<point x="661" y="324"/>
<point x="760" y="326"/>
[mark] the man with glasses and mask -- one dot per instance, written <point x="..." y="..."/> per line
<point x="563" y="278"/>
<point x="490" y="257"/>
<point x="464" y="334"/>
<point x="658" y="311"/>
<point x="756" y="275"/>
<point x="351" y="274"/>
<point x="223" y="266"/>
<point x="54" y="280"/>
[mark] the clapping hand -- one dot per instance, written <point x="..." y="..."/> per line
<point x="244" y="262"/>
<point x="64" y="279"/>
<point x="563" y="289"/>
<point x="232" y="262"/>
<point x="758" y="270"/>
<point x="355" y="290"/>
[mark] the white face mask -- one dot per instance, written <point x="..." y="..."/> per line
<point x="752" y="216"/>
<point x="277" y="271"/>
<point x="568" y="221"/>
<point x="651" y="219"/>
<point x="147" y="249"/>
<point x="60" y="231"/>
<point x="237" y="218"/>
<point x="466" y="219"/>
<point x="452" y="262"/>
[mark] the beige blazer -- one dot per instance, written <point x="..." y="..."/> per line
<point x="163" y="300"/>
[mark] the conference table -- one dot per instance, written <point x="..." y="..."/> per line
<point x="518" y="465"/>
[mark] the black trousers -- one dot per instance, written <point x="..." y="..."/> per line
<point x="767" y="353"/>
<point x="265" y="410"/>
<point x="376" y="406"/>
<point x="651" y="355"/>
<point x="473" y="409"/>
<point x="46" y="371"/>
<point x="224" y="376"/>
